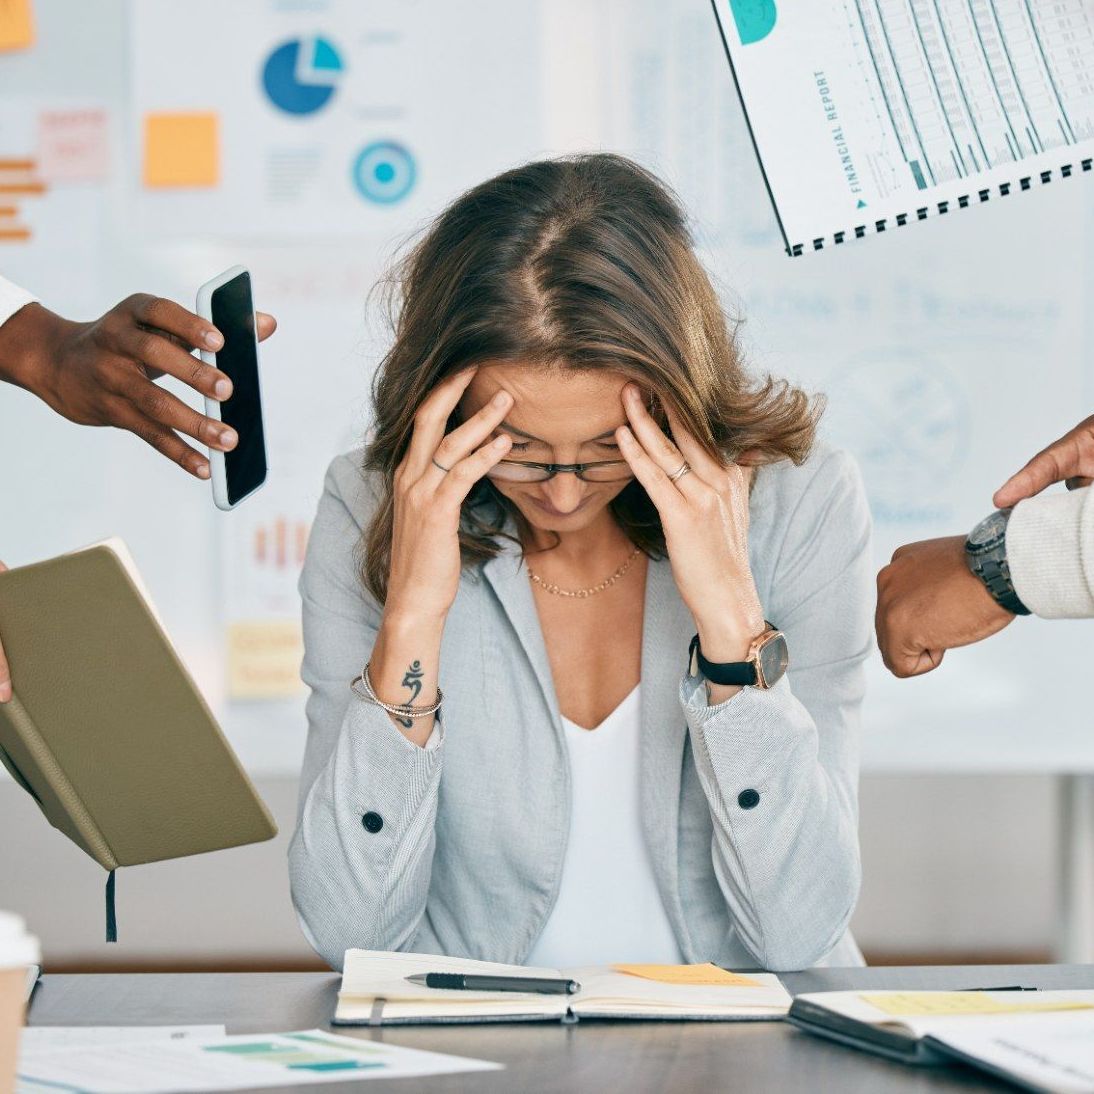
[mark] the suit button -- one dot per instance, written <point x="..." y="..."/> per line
<point x="748" y="799"/>
<point x="373" y="822"/>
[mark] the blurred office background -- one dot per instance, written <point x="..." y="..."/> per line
<point x="318" y="136"/>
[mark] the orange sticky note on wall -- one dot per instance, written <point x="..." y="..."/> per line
<point x="181" y="150"/>
<point x="689" y="974"/>
<point x="16" y="24"/>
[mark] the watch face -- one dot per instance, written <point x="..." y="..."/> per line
<point x="774" y="658"/>
<point x="989" y="532"/>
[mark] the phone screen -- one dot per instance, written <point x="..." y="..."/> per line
<point x="233" y="315"/>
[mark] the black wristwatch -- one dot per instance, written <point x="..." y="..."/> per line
<point x="986" y="555"/>
<point x="768" y="659"/>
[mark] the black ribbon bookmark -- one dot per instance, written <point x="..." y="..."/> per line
<point x="111" y="916"/>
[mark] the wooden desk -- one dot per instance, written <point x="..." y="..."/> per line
<point x="635" y="1057"/>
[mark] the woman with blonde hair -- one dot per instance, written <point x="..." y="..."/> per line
<point x="549" y="611"/>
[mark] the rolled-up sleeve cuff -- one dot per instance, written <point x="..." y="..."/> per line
<point x="1050" y="551"/>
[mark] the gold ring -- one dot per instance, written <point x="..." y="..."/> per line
<point x="680" y="472"/>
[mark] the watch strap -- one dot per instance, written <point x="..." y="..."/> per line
<point x="988" y="561"/>
<point x="996" y="576"/>
<point x="739" y="673"/>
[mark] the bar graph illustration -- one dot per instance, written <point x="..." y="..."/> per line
<point x="967" y="86"/>
<point x="280" y="543"/>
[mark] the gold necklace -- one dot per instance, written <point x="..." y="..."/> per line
<point x="581" y="594"/>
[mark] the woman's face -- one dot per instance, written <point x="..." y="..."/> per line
<point x="558" y="416"/>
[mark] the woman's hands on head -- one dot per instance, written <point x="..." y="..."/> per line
<point x="425" y="549"/>
<point x="705" y="517"/>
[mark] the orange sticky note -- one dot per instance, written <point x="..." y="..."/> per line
<point x="689" y="974"/>
<point x="181" y="150"/>
<point x="16" y="24"/>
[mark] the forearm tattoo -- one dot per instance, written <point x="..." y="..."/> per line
<point x="413" y="681"/>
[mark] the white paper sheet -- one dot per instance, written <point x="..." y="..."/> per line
<point x="229" y="1063"/>
<point x="1053" y="1053"/>
<point x="866" y="113"/>
<point x="45" y="1038"/>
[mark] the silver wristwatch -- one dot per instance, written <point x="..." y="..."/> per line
<point x="986" y="555"/>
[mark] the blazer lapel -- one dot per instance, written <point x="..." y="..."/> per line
<point x="508" y="577"/>
<point x="666" y="631"/>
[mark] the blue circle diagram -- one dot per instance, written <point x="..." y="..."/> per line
<point x="384" y="172"/>
<point x="301" y="75"/>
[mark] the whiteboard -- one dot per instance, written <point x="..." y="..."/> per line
<point x="950" y="353"/>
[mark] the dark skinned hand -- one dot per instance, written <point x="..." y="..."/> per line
<point x="104" y="372"/>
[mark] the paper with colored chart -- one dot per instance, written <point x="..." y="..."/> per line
<point x="228" y="1063"/>
<point x="871" y="116"/>
<point x="689" y="974"/>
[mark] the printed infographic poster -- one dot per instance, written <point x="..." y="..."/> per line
<point x="870" y="114"/>
<point x="324" y="119"/>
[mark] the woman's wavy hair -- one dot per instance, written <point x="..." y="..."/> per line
<point x="582" y="262"/>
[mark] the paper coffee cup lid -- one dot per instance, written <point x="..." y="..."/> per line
<point x="17" y="947"/>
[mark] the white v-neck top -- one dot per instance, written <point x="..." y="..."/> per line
<point x="608" y="906"/>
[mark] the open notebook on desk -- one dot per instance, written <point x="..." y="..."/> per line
<point x="1041" y="1039"/>
<point x="375" y="991"/>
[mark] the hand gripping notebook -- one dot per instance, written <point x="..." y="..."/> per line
<point x="870" y="116"/>
<point x="375" y="992"/>
<point x="106" y="730"/>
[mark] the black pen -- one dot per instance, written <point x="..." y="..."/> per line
<point x="454" y="981"/>
<point x="1009" y="987"/>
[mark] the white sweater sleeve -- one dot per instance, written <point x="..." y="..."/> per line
<point x="12" y="298"/>
<point x="1050" y="550"/>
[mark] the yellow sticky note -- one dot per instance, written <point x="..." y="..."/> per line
<point x="921" y="1004"/>
<point x="16" y="24"/>
<point x="264" y="659"/>
<point x="689" y="974"/>
<point x="181" y="150"/>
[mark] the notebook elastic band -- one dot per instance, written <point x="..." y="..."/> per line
<point x="111" y="916"/>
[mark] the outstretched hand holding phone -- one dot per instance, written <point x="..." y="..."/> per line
<point x="103" y="372"/>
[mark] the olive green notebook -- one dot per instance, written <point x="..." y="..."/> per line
<point x="106" y="730"/>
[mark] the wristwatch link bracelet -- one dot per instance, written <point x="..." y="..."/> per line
<point x="986" y="556"/>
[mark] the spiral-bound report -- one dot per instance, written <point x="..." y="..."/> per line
<point x="869" y="115"/>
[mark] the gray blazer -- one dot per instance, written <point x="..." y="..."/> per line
<point x="467" y="857"/>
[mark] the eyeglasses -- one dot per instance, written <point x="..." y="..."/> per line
<point x="525" y="471"/>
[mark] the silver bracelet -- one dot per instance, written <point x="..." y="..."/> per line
<point x="403" y="710"/>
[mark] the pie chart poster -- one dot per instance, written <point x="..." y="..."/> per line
<point x="342" y="119"/>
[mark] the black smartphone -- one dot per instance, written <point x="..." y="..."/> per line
<point x="227" y="303"/>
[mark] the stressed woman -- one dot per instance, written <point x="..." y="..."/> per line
<point x="548" y="611"/>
